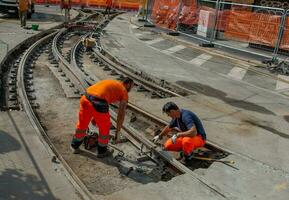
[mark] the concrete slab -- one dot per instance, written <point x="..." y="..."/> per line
<point x="246" y="117"/>
<point x="181" y="187"/>
<point x="27" y="171"/>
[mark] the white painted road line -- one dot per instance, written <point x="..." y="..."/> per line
<point x="201" y="59"/>
<point x="150" y="42"/>
<point x="237" y="73"/>
<point x="138" y="34"/>
<point x="173" y="49"/>
<point x="281" y="85"/>
<point x="134" y="26"/>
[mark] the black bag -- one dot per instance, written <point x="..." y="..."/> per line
<point x="100" y="105"/>
<point x="90" y="141"/>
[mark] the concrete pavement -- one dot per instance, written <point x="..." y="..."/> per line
<point x="26" y="167"/>
<point x="242" y="107"/>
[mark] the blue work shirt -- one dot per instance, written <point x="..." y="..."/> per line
<point x="188" y="120"/>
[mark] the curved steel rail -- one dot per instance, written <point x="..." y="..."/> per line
<point x="135" y="137"/>
<point x="80" y="187"/>
<point x="132" y="75"/>
<point x="75" y="73"/>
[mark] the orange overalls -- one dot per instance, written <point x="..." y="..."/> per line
<point x="186" y="121"/>
<point x="94" y="105"/>
<point x="23" y="6"/>
<point x="109" y="3"/>
<point x="65" y="4"/>
<point x="185" y="144"/>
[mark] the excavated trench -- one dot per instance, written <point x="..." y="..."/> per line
<point x="58" y="115"/>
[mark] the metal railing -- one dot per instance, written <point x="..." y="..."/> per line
<point x="258" y="30"/>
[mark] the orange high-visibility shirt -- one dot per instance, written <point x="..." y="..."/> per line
<point x="23" y="5"/>
<point x="110" y="90"/>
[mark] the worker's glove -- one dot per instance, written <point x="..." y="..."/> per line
<point x="156" y="139"/>
<point x="174" y="138"/>
<point x="93" y="122"/>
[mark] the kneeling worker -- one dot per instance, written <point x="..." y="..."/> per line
<point x="94" y="105"/>
<point x="191" y="133"/>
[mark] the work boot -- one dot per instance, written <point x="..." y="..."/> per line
<point x="74" y="150"/>
<point x="188" y="159"/>
<point x="75" y="144"/>
<point x="103" y="152"/>
<point x="181" y="156"/>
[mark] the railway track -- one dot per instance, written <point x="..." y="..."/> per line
<point x="144" y="161"/>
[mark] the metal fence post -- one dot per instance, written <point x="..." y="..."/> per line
<point x="147" y="9"/>
<point x="214" y="32"/>
<point x="280" y="35"/>
<point x="179" y="12"/>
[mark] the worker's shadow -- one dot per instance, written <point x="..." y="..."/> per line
<point x="128" y="168"/>
<point x="93" y="156"/>
<point x="8" y="143"/>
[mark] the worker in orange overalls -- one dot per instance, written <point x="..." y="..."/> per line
<point x="66" y="5"/>
<point x="23" y="6"/>
<point x="190" y="131"/>
<point x="94" y="106"/>
<point x="108" y="7"/>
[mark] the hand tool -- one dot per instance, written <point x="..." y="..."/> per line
<point x="213" y="160"/>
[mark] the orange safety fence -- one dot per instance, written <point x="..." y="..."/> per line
<point x="117" y="4"/>
<point x="257" y="28"/>
<point x="165" y="13"/>
<point x="189" y="14"/>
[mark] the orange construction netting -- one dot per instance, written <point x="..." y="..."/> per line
<point x="257" y="28"/>
<point x="189" y="14"/>
<point x="165" y="13"/>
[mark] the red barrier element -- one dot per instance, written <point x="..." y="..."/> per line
<point x="165" y="13"/>
<point x="117" y="4"/>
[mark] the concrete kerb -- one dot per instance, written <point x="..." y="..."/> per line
<point x="250" y="63"/>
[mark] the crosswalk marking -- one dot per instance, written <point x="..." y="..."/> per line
<point x="201" y="59"/>
<point x="134" y="26"/>
<point x="173" y="49"/>
<point x="154" y="41"/>
<point x="281" y="85"/>
<point x="237" y="73"/>
<point x="138" y="34"/>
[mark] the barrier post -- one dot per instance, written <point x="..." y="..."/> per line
<point x="179" y="12"/>
<point x="280" y="35"/>
<point x="148" y="3"/>
<point x="214" y="32"/>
